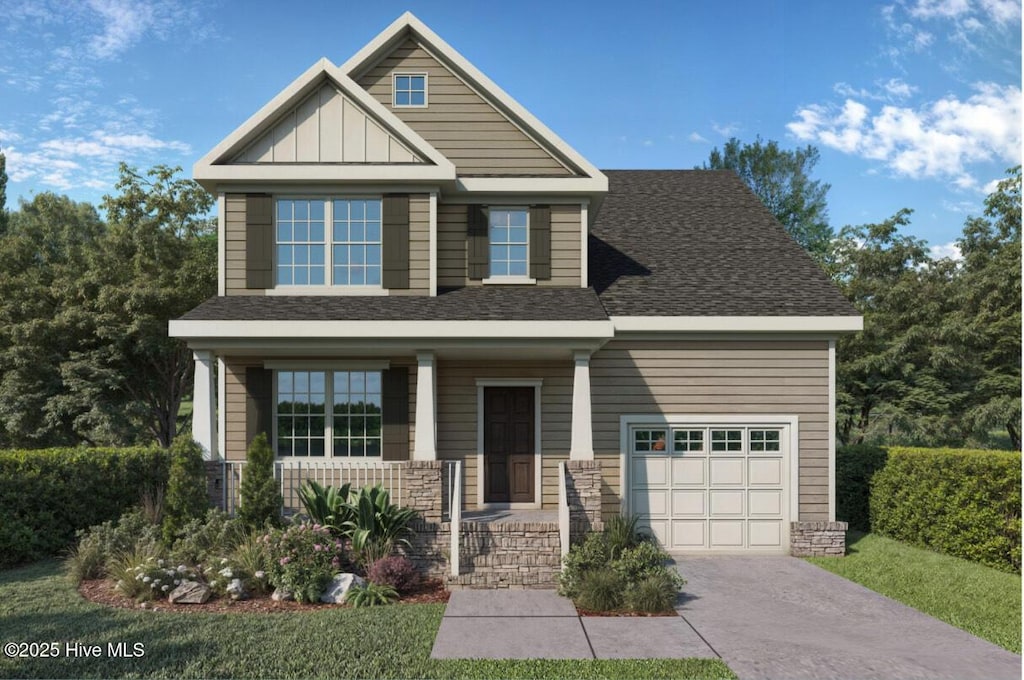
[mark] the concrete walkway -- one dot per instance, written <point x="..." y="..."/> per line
<point x="539" y="624"/>
<point x="780" y="617"/>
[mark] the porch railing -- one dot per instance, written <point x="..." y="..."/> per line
<point x="563" y="510"/>
<point x="451" y="508"/>
<point x="291" y="474"/>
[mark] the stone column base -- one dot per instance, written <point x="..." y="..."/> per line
<point x="817" y="539"/>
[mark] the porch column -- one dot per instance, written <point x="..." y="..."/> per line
<point x="582" y="445"/>
<point x="204" y="400"/>
<point x="425" y="444"/>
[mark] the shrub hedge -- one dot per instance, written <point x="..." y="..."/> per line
<point x="960" y="502"/>
<point x="46" y="495"/>
<point x="855" y="466"/>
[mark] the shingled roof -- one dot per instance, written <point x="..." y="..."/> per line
<point x="463" y="304"/>
<point x="700" y="243"/>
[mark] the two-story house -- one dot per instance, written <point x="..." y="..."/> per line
<point x="414" y="268"/>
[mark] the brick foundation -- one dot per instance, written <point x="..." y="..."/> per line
<point x="817" y="539"/>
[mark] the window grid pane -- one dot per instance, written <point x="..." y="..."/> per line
<point x="765" y="440"/>
<point x="649" y="440"/>
<point x="410" y="90"/>
<point x="508" y="240"/>
<point x="726" y="440"/>
<point x="301" y="403"/>
<point x="356" y="242"/>
<point x="688" y="441"/>
<point x="357" y="414"/>
<point x="300" y="242"/>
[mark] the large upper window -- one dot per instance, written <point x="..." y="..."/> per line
<point x="508" y="239"/>
<point x="409" y="89"/>
<point x="347" y="254"/>
<point x="329" y="413"/>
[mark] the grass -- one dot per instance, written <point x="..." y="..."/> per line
<point x="981" y="600"/>
<point x="37" y="604"/>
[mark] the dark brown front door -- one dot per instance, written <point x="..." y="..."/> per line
<point x="509" y="444"/>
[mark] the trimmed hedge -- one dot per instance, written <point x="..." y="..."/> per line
<point x="963" y="503"/>
<point x="48" y="494"/>
<point x="855" y="466"/>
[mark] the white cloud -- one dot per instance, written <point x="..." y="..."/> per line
<point x="940" y="139"/>
<point x="990" y="186"/>
<point x="947" y="9"/>
<point x="946" y="250"/>
<point x="726" y="129"/>
<point x="698" y="138"/>
<point x="898" y="89"/>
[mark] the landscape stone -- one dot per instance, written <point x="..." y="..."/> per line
<point x="236" y="589"/>
<point x="339" y="586"/>
<point x="280" y="595"/>
<point x="190" y="592"/>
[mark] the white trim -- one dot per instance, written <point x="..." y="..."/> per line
<point x="411" y="74"/>
<point x="222" y="247"/>
<point x="332" y="329"/>
<point x="739" y="324"/>
<point x="432" y="245"/>
<point x="581" y="446"/>
<point x="538" y="471"/>
<point x="222" y="408"/>
<point x="326" y="365"/>
<point x="425" y="442"/>
<point x="831" y="430"/>
<point x="749" y="420"/>
<point x="327" y="173"/>
<point x="293" y="290"/>
<point x="584" y="245"/>
<point x="532" y="185"/>
<point x="509" y="280"/>
<point x="386" y="38"/>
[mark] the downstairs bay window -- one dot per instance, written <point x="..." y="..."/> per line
<point x="328" y="413"/>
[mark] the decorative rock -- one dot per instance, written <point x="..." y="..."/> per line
<point x="190" y="592"/>
<point x="339" y="586"/>
<point x="280" y="595"/>
<point x="236" y="589"/>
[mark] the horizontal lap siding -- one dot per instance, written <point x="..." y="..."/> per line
<point x="782" y="378"/>
<point x="451" y="247"/>
<point x="419" y="246"/>
<point x="235" y="399"/>
<point x="460" y="124"/>
<point x="457" y="416"/>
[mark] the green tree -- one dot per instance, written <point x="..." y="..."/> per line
<point x="260" y="497"/>
<point x="187" y="497"/>
<point x="3" y="193"/>
<point x="782" y="180"/>
<point x="159" y="260"/>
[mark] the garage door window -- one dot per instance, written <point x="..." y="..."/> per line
<point x="724" y="441"/>
<point x="688" y="441"/>
<point x="645" y="441"/>
<point x="766" y="441"/>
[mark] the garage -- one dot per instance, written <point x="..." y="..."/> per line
<point x="719" y="485"/>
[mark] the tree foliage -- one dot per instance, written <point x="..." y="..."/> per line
<point x="3" y="193"/>
<point x="782" y="180"/>
<point x="186" y="498"/>
<point x="260" y="495"/>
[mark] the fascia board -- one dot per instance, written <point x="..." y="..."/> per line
<point x="536" y="185"/>
<point x="739" y="324"/>
<point x="413" y="172"/>
<point x="409" y="21"/>
<point x="373" y="330"/>
<point x="292" y="95"/>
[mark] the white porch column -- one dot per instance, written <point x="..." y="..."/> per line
<point x="425" y="445"/>
<point x="204" y="400"/>
<point x="582" y="445"/>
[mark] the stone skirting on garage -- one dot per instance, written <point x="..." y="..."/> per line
<point x="817" y="539"/>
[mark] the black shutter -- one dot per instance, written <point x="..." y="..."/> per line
<point x="259" y="403"/>
<point x="259" y="241"/>
<point x="478" y="243"/>
<point x="540" y="242"/>
<point x="395" y="420"/>
<point x="395" y="245"/>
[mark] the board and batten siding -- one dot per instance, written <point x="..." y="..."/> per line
<point x="457" y="121"/>
<point x="715" y="377"/>
<point x="419" y="246"/>
<point x="235" y="399"/>
<point x="451" y="247"/>
<point x="457" y="417"/>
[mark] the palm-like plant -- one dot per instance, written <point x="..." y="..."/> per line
<point x="376" y="525"/>
<point x="326" y="506"/>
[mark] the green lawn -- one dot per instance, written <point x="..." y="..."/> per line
<point x="38" y="605"/>
<point x="976" y="598"/>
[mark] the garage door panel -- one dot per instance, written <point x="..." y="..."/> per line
<point x="650" y="471"/>
<point x="688" y="535"/>
<point x="689" y="472"/>
<point x="765" y="471"/>
<point x="764" y="533"/>
<point x="689" y="502"/>
<point x="726" y="472"/>
<point x="657" y="528"/>
<point x="726" y="503"/>
<point x="726" y="533"/>
<point x="652" y="502"/>
<point x="765" y="502"/>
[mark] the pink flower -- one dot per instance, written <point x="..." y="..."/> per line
<point x="317" y="547"/>
<point x="284" y="561"/>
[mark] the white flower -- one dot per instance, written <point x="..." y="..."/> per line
<point x="226" y="572"/>
<point x="181" y="568"/>
<point x="165" y="588"/>
<point x="160" y="563"/>
<point x="138" y="577"/>
<point x="259" y="574"/>
<point x="177" y="581"/>
<point x="146" y="579"/>
<point x="224" y="560"/>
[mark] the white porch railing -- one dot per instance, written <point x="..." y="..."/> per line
<point x="455" y="512"/>
<point x="291" y="474"/>
<point x="563" y="510"/>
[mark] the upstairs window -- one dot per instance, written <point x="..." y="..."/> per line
<point x="307" y="253"/>
<point x="409" y="89"/>
<point x="507" y="231"/>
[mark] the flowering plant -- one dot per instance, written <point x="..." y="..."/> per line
<point x="153" y="578"/>
<point x="303" y="558"/>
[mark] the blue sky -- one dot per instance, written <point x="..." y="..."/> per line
<point x="912" y="103"/>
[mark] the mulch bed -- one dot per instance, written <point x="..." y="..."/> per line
<point x="104" y="592"/>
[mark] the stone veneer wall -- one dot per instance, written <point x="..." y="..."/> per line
<point x="215" y="483"/>
<point x="583" y="494"/>
<point x="508" y="555"/>
<point x="817" y="539"/>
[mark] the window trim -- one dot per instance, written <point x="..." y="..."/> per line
<point x="508" y="279"/>
<point x="328" y="370"/>
<point x="327" y="288"/>
<point x="395" y="75"/>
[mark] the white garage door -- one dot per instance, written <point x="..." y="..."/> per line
<point x="712" y="488"/>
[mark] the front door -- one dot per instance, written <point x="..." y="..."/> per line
<point x="509" y="435"/>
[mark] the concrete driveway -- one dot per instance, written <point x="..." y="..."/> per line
<point x="780" y="617"/>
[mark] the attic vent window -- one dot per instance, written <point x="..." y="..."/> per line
<point x="409" y="89"/>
